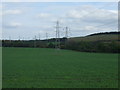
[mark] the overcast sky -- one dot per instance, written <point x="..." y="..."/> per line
<point x="29" y="19"/>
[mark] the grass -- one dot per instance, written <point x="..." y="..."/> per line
<point x="49" y="68"/>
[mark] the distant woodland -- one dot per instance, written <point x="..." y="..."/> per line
<point x="107" y="42"/>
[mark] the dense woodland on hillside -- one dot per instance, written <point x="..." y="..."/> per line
<point x="107" y="42"/>
<point x="104" y="33"/>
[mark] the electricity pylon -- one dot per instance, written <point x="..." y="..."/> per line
<point x="66" y="35"/>
<point x="66" y="32"/>
<point x="35" y="41"/>
<point x="9" y="39"/>
<point x="46" y="36"/>
<point x="57" y="44"/>
<point x="39" y="36"/>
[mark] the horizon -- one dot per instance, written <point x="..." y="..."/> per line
<point x="29" y="19"/>
<point x="60" y="38"/>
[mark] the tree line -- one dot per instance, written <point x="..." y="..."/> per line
<point x="82" y="46"/>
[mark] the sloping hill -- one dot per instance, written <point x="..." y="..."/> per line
<point x="101" y="42"/>
<point x="111" y="36"/>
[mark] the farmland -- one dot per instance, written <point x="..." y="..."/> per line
<point x="50" y="68"/>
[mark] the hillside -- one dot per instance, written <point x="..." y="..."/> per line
<point x="102" y="42"/>
<point x="108" y="42"/>
<point x="107" y="36"/>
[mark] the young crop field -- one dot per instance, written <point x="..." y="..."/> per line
<point x="50" y="68"/>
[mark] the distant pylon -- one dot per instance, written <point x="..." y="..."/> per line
<point x="46" y="36"/>
<point x="66" y="32"/>
<point x="39" y="36"/>
<point x="9" y="38"/>
<point x="35" y="41"/>
<point x="19" y="38"/>
<point x="66" y="35"/>
<point x="23" y="38"/>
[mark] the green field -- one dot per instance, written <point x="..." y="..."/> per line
<point x="50" y="68"/>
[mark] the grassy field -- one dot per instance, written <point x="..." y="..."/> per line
<point x="49" y="68"/>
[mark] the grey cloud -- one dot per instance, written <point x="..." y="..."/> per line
<point x="12" y="25"/>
